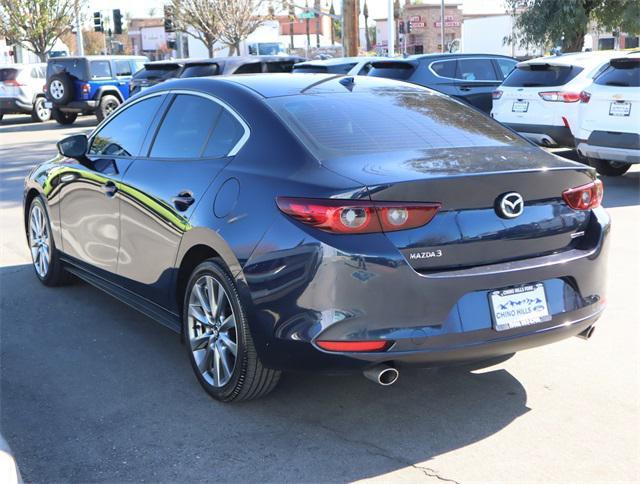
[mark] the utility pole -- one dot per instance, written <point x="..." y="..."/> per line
<point x="442" y="24"/>
<point x="391" y="30"/>
<point x="306" y="21"/>
<point x="350" y="27"/>
<point x="79" y="39"/>
<point x="316" y="7"/>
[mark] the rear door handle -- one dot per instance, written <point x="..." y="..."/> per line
<point x="183" y="200"/>
<point x="109" y="189"/>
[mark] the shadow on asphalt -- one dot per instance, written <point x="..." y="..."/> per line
<point x="621" y="191"/>
<point x="92" y="390"/>
<point x="25" y="123"/>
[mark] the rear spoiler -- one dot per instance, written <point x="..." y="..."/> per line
<point x="625" y="62"/>
<point x="393" y="64"/>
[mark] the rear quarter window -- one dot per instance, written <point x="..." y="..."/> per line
<point x="445" y="68"/>
<point x="541" y="75"/>
<point x="475" y="70"/>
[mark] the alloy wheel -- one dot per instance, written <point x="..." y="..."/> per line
<point x="39" y="240"/>
<point x="42" y="111"/>
<point x="110" y="107"/>
<point x="56" y="89"/>
<point x="212" y="331"/>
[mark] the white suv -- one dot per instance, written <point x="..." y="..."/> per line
<point x="608" y="133"/>
<point x="540" y="98"/>
<point x="21" y="90"/>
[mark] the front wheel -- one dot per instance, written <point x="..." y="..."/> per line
<point x="218" y="339"/>
<point x="63" y="118"/>
<point x="45" y="257"/>
<point x="609" y="168"/>
<point x="107" y="105"/>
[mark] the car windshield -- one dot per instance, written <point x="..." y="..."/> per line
<point x="334" y="125"/>
<point x="541" y="75"/>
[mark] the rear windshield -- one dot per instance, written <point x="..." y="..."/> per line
<point x="200" y="70"/>
<point x="621" y="73"/>
<point x="308" y="68"/>
<point x="541" y="75"/>
<point x="279" y="66"/>
<point x="392" y="70"/>
<point x="334" y="125"/>
<point x="75" y="67"/>
<point x="164" y="72"/>
<point x="8" y="74"/>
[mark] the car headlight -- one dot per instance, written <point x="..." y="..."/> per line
<point x="8" y="468"/>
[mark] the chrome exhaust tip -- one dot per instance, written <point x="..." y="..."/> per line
<point x="587" y="333"/>
<point x="382" y="375"/>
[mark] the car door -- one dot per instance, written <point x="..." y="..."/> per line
<point x="89" y="189"/>
<point x="162" y="189"/>
<point x="476" y="79"/>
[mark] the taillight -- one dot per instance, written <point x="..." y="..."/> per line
<point x="585" y="97"/>
<point x="496" y="94"/>
<point x="355" y="346"/>
<point x="584" y="197"/>
<point x="357" y="217"/>
<point x="13" y="82"/>
<point x="44" y="88"/>
<point x="85" y="88"/>
<point x="560" y="97"/>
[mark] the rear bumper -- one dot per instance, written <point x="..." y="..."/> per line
<point x="545" y="135"/>
<point x="15" y="105"/>
<point x="74" y="106"/>
<point x="319" y="293"/>
<point x="624" y="155"/>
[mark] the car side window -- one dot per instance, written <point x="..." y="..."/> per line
<point x="505" y="66"/>
<point x="124" y="134"/>
<point x="224" y="136"/>
<point x="253" y="68"/>
<point x="123" y="68"/>
<point x="364" y="70"/>
<point x="475" y="70"/>
<point x="186" y="127"/>
<point x="445" y="68"/>
<point x="100" y="69"/>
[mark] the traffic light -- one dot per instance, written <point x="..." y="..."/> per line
<point x="168" y="19"/>
<point x="117" y="21"/>
<point x="97" y="22"/>
<point x="409" y="27"/>
<point x="401" y="27"/>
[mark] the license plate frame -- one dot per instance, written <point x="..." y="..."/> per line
<point x="520" y="106"/>
<point x="620" y="109"/>
<point x="519" y="306"/>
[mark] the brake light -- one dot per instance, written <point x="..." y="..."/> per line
<point x="560" y="97"/>
<point x="585" y="97"/>
<point x="584" y="197"/>
<point x="13" y="82"/>
<point x="496" y="94"/>
<point x="86" y="88"/>
<point x="357" y="217"/>
<point x="355" y="346"/>
<point x="44" y="88"/>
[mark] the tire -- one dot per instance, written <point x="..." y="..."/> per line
<point x="40" y="114"/>
<point x="1" y="116"/>
<point x="107" y="105"/>
<point x="210" y="334"/>
<point x="45" y="256"/>
<point x="60" y="88"/>
<point x="63" y="118"/>
<point x="609" y="168"/>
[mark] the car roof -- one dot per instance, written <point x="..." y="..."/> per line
<point x="97" y="57"/>
<point x="290" y="84"/>
<point x="453" y="55"/>
<point x="581" y="59"/>
<point x="337" y="61"/>
<point x="244" y="59"/>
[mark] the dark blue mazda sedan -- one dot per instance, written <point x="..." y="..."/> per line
<point x="312" y="221"/>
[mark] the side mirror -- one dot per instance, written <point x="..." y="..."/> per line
<point x="75" y="146"/>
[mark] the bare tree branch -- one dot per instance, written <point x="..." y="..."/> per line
<point x="237" y="20"/>
<point x="198" y="19"/>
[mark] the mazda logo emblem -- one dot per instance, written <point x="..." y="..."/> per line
<point x="510" y="205"/>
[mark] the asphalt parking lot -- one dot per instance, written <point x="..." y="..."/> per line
<point x="91" y="390"/>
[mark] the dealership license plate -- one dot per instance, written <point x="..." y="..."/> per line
<point x="519" y="306"/>
<point x="520" y="106"/>
<point x="48" y="104"/>
<point x="619" y="109"/>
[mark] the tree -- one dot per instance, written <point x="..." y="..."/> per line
<point x="36" y="24"/>
<point x="198" y="19"/>
<point x="365" y="14"/>
<point x="565" y="22"/>
<point x="237" y="20"/>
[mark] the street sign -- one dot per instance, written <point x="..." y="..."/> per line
<point x="307" y="15"/>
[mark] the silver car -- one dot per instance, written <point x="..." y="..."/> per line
<point x="21" y="91"/>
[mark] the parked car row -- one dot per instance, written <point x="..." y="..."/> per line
<point x="21" y="91"/>
<point x="577" y="100"/>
